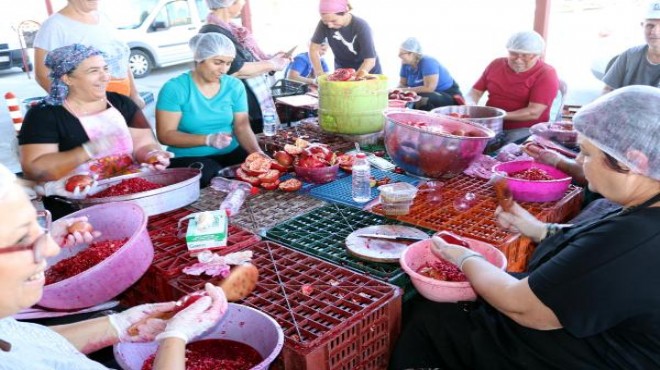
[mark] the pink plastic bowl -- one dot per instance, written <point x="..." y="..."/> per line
<point x="534" y="191"/>
<point x="418" y="254"/>
<point x="320" y="175"/>
<point x="240" y="323"/>
<point x="117" y="272"/>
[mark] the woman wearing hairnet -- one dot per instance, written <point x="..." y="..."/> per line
<point x="24" y="249"/>
<point x="521" y="84"/>
<point x="251" y="64"/>
<point x="591" y="298"/>
<point x="202" y="115"/>
<point x="427" y="77"/>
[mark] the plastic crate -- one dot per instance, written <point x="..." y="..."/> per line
<point x="309" y="131"/>
<point x="268" y="207"/>
<point x="286" y="87"/>
<point x="322" y="233"/>
<point x="479" y="222"/>
<point x="339" y="191"/>
<point x="172" y="254"/>
<point x="347" y="321"/>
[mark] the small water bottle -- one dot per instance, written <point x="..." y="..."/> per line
<point x="270" y="121"/>
<point x="361" y="179"/>
<point x="236" y="192"/>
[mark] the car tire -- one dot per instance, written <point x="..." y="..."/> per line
<point x="140" y="63"/>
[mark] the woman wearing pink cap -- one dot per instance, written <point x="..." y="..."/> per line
<point x="349" y="38"/>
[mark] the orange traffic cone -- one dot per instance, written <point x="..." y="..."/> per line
<point x="14" y="110"/>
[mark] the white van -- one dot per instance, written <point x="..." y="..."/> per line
<point x="157" y="31"/>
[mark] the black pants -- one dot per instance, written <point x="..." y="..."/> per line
<point x="435" y="336"/>
<point x="439" y="99"/>
<point x="211" y="164"/>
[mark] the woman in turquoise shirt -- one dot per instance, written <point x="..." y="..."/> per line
<point x="202" y="115"/>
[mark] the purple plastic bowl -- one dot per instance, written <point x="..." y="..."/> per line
<point x="240" y="323"/>
<point x="419" y="253"/>
<point x="117" y="272"/>
<point x="534" y="191"/>
<point x="319" y="175"/>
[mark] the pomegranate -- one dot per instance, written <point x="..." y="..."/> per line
<point x="78" y="181"/>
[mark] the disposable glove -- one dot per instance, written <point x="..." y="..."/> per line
<point x="157" y="160"/>
<point x="59" y="188"/>
<point x="279" y="62"/>
<point x="219" y="140"/>
<point x="61" y="235"/>
<point x="143" y="315"/>
<point x="518" y="220"/>
<point x="452" y="253"/>
<point x="198" y="317"/>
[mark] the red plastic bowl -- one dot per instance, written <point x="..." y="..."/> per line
<point x="116" y="273"/>
<point x="320" y="175"/>
<point x="534" y="191"/>
<point x="418" y="254"/>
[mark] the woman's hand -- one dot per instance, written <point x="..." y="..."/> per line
<point x="219" y="140"/>
<point x="157" y="159"/>
<point x="518" y="220"/>
<point x="198" y="317"/>
<point x="143" y="315"/>
<point x="60" y="232"/>
<point x="279" y="62"/>
<point x="59" y="187"/>
<point x="452" y="253"/>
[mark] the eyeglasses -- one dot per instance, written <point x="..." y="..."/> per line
<point x="524" y="56"/>
<point x="40" y="244"/>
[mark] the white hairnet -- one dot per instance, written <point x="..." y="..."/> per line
<point x="207" y="45"/>
<point x="622" y="122"/>
<point x="219" y="4"/>
<point x="526" y="42"/>
<point x="412" y="44"/>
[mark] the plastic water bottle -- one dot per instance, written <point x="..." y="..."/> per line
<point x="236" y="192"/>
<point x="270" y="121"/>
<point x="361" y="179"/>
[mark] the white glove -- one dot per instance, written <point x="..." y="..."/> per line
<point x="59" y="188"/>
<point x="141" y="316"/>
<point x="102" y="147"/>
<point x="61" y="235"/>
<point x="518" y="220"/>
<point x="452" y="253"/>
<point x="219" y="140"/>
<point x="279" y="62"/>
<point x="157" y="160"/>
<point x="198" y="317"/>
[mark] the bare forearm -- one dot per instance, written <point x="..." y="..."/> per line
<point x="572" y="168"/>
<point x="315" y="59"/>
<point x="247" y="139"/>
<point x="171" y="355"/>
<point x="181" y="139"/>
<point x="474" y="96"/>
<point x="90" y="335"/>
<point x="525" y="114"/>
<point x="251" y="69"/>
<point x="367" y="65"/>
<point x="54" y="166"/>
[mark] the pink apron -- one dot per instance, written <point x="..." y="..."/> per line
<point x="116" y="161"/>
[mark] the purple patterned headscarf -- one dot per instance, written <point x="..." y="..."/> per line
<point x="61" y="61"/>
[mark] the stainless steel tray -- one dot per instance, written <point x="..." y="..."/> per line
<point x="181" y="187"/>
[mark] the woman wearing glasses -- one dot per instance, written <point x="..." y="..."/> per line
<point x="521" y="84"/>
<point x="427" y="77"/>
<point x="24" y="247"/>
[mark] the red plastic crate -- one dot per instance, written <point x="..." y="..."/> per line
<point x="347" y="321"/>
<point x="171" y="254"/>
<point x="479" y="222"/>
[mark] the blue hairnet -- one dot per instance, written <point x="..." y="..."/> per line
<point x="623" y="121"/>
<point x="207" y="45"/>
<point x="412" y="44"/>
<point x="61" y="61"/>
<point x="219" y="4"/>
<point x="526" y="42"/>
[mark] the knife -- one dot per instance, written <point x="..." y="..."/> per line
<point x="392" y="237"/>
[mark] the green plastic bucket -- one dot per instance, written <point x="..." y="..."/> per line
<point x="352" y="107"/>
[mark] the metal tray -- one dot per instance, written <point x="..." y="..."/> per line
<point x="181" y="187"/>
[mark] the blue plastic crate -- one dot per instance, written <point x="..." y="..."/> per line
<point x="339" y="191"/>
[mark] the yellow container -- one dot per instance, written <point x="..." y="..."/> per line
<point x="352" y="107"/>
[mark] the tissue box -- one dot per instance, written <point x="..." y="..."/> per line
<point x="212" y="234"/>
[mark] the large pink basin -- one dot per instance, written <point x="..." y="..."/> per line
<point x="117" y="272"/>
<point x="534" y="191"/>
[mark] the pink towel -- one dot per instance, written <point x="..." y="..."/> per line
<point x="333" y="6"/>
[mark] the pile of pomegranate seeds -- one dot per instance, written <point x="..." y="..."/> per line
<point x="532" y="174"/>
<point x="214" y="354"/>
<point x="92" y="256"/>
<point x="126" y="187"/>
<point x="442" y="270"/>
